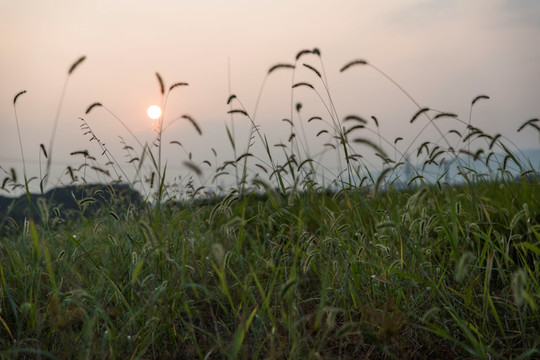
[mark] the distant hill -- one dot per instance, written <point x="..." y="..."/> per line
<point x="67" y="202"/>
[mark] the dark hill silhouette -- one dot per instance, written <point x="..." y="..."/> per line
<point x="67" y="202"/>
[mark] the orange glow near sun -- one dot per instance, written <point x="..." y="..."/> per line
<point x="154" y="112"/>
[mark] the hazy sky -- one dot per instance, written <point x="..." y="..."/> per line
<point x="444" y="53"/>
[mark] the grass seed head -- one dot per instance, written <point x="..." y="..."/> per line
<point x="17" y="96"/>
<point x="353" y="63"/>
<point x="76" y="64"/>
<point x="161" y="85"/>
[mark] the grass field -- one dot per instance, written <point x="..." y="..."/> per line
<point x="368" y="266"/>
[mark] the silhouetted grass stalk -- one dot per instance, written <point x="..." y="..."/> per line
<point x="57" y="116"/>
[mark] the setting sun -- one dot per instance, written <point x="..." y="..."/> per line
<point x="154" y="112"/>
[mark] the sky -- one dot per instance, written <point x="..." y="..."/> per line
<point x="442" y="53"/>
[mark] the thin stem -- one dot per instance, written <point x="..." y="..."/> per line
<point x="55" y="126"/>
<point x="20" y="141"/>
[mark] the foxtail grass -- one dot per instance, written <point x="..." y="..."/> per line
<point x="409" y="249"/>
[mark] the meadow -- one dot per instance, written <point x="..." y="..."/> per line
<point x="434" y="254"/>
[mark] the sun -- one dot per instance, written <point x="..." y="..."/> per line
<point x="154" y="112"/>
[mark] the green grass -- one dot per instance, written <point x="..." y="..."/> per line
<point x="291" y="265"/>
<point x="431" y="273"/>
